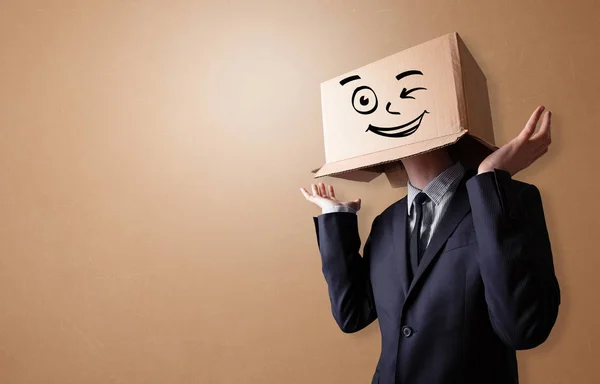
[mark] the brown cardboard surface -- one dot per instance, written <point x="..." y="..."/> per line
<point x="434" y="92"/>
<point x="477" y="102"/>
<point x="396" y="174"/>
<point x="151" y="227"/>
<point x="384" y="156"/>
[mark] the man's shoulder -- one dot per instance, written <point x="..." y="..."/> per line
<point x="508" y="185"/>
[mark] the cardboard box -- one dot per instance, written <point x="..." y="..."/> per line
<point x="425" y="97"/>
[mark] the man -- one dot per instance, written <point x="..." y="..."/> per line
<point x="459" y="272"/>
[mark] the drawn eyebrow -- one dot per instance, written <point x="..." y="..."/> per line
<point x="349" y="79"/>
<point x="408" y="73"/>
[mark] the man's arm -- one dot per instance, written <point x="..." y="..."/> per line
<point x="346" y="272"/>
<point x="515" y="258"/>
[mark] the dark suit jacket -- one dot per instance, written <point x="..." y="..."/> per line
<point x="485" y="286"/>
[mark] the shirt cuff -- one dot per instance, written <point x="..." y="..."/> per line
<point x="338" y="208"/>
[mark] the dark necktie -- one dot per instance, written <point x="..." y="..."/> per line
<point x="416" y="248"/>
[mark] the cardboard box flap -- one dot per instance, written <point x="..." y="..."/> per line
<point x="396" y="174"/>
<point x="482" y="141"/>
<point x="363" y="175"/>
<point x="388" y="155"/>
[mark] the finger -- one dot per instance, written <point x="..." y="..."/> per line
<point x="549" y="127"/>
<point x="315" y="190"/>
<point x="548" y="130"/>
<point x="307" y="195"/>
<point x="531" y="124"/>
<point x="544" y="132"/>
<point x="331" y="192"/>
<point x="322" y="190"/>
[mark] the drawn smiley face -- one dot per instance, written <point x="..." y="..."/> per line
<point x="365" y="102"/>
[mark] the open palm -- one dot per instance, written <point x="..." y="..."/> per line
<point x="324" y="196"/>
<point x="523" y="150"/>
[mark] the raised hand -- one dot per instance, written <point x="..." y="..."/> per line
<point x="324" y="196"/>
<point x="523" y="150"/>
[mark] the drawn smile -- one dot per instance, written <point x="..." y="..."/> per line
<point x="400" y="130"/>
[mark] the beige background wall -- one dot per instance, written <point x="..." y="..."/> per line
<point x="151" y="227"/>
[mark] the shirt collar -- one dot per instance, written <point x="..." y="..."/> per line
<point x="436" y="189"/>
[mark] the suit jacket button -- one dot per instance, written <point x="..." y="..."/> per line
<point x="513" y="213"/>
<point x="407" y="331"/>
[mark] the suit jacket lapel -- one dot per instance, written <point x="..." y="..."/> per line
<point x="458" y="208"/>
<point x="400" y="255"/>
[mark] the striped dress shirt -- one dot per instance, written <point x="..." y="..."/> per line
<point x="440" y="191"/>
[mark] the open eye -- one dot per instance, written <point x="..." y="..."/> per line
<point x="405" y="94"/>
<point x="364" y="100"/>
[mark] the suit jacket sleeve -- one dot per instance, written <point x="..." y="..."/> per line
<point x="346" y="272"/>
<point x="515" y="258"/>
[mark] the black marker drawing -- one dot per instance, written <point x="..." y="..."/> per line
<point x="349" y="79"/>
<point x="387" y="108"/>
<point x="404" y="94"/>
<point x="408" y="73"/>
<point x="365" y="102"/>
<point x="387" y="132"/>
